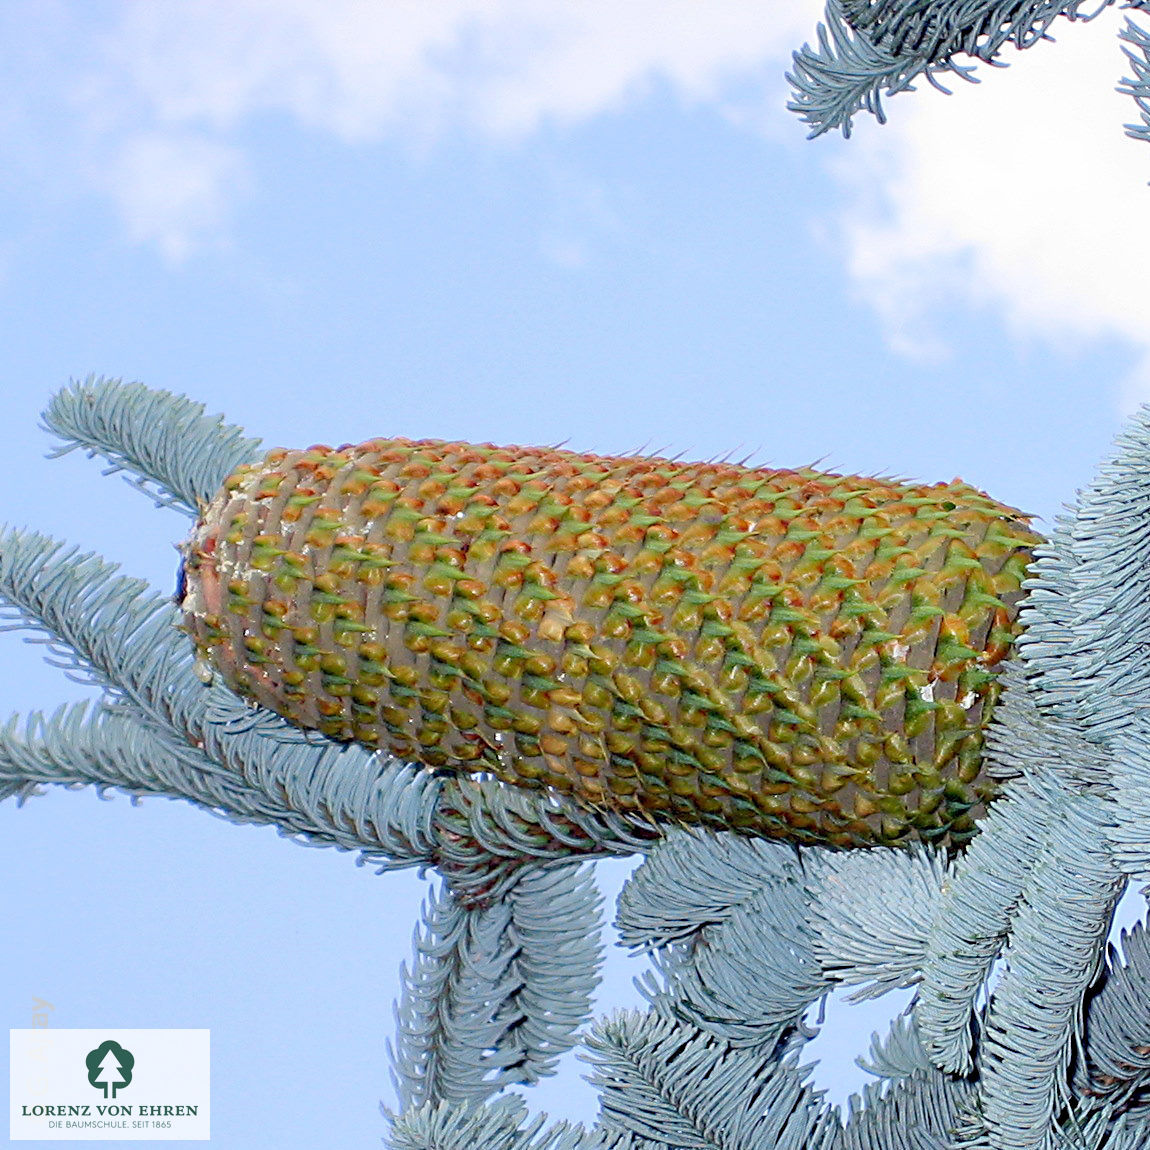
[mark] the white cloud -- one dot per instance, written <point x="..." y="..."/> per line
<point x="1021" y="194"/>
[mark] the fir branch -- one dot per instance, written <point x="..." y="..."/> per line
<point x="921" y="1112"/>
<point x="899" y="1053"/>
<point x="501" y="1125"/>
<point x="939" y="29"/>
<point x="1139" y="87"/>
<point x="447" y="1017"/>
<point x="848" y="73"/>
<point x="1100" y="1130"/>
<point x="868" y="47"/>
<point x="1130" y="783"/>
<point x="1055" y="949"/>
<point x="1087" y="616"/>
<point x="1051" y="638"/>
<point x="99" y="626"/>
<point x="694" y="879"/>
<point x="659" y="1079"/>
<point x="1126" y="1132"/>
<point x="727" y="918"/>
<point x="748" y="980"/>
<point x="80" y="745"/>
<point x="487" y="832"/>
<point x="916" y="1107"/>
<point x="972" y="921"/>
<point x="871" y="913"/>
<point x="496" y="994"/>
<point x="173" y="452"/>
<point x="556" y="919"/>
<point x="1116" y="1066"/>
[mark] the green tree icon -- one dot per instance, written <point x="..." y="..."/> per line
<point x="110" y="1065"/>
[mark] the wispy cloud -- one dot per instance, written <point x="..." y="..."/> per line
<point x="174" y="190"/>
<point x="360" y="68"/>
<point x="168" y="87"/>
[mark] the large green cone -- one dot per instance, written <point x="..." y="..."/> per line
<point x="789" y="653"/>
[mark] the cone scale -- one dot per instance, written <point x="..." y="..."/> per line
<point x="792" y="654"/>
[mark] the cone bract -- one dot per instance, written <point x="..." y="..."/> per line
<point x="789" y="653"/>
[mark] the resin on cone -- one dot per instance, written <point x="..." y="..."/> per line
<point x="791" y="654"/>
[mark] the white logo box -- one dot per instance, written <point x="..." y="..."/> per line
<point x="167" y="1097"/>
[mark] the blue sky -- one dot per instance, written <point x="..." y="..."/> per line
<point x="520" y="221"/>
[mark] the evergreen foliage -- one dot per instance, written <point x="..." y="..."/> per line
<point x="1117" y="1026"/>
<point x="667" y="1083"/>
<point x="725" y="919"/>
<point x="170" y="449"/>
<point x="497" y="993"/>
<point x="1139" y="87"/>
<point x="871" y="48"/>
<point x="881" y="942"/>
